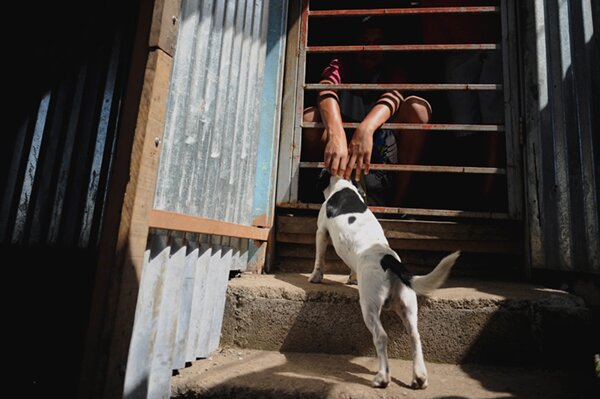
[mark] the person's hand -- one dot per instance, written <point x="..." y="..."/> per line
<point x="359" y="153"/>
<point x="336" y="153"/>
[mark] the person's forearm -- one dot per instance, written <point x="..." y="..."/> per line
<point x="378" y="115"/>
<point x="387" y="105"/>
<point x="329" y="110"/>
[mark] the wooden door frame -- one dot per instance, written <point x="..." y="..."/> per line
<point x="129" y="200"/>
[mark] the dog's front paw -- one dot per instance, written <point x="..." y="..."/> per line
<point x="352" y="280"/>
<point x="381" y="380"/>
<point x="316" y="276"/>
<point x="419" y="383"/>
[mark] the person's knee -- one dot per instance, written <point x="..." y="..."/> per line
<point x="311" y="114"/>
<point x="415" y="110"/>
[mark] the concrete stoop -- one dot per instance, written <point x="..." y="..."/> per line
<point x="466" y="321"/>
<point x="247" y="373"/>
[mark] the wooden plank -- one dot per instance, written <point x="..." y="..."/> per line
<point x="423" y="244"/>
<point x="133" y="231"/>
<point x="416" y="229"/>
<point x="195" y="224"/>
<point x="410" y="211"/>
<point x="165" y="25"/>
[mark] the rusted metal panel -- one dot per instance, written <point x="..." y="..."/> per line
<point x="562" y="134"/>
<point x="403" y="11"/>
<point x="512" y="140"/>
<point x="404" y="47"/>
<point x="289" y="146"/>
<point x="422" y="168"/>
<point x="404" y="86"/>
<point x="421" y="126"/>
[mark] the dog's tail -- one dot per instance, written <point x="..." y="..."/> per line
<point x="424" y="285"/>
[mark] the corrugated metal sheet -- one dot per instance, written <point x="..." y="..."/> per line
<point x="61" y="159"/>
<point x="208" y="160"/>
<point x="180" y="307"/>
<point x="562" y="88"/>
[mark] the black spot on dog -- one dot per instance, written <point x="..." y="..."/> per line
<point x="344" y="201"/>
<point x="351" y="219"/>
<point x="389" y="262"/>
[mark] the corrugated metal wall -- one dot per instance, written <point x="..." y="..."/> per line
<point x="180" y="307"/>
<point x="208" y="160"/>
<point x="55" y="188"/>
<point x="208" y="167"/>
<point x="562" y="94"/>
<point x="65" y="73"/>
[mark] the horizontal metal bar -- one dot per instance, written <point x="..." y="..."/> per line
<point x="418" y="126"/>
<point x="410" y="211"/>
<point x="194" y="224"/>
<point x="403" y="47"/>
<point x="422" y="168"/>
<point x="403" y="11"/>
<point x="403" y="86"/>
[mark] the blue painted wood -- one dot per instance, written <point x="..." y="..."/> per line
<point x="268" y="140"/>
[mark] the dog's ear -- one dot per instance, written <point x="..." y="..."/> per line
<point x="323" y="180"/>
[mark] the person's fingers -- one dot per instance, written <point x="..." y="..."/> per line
<point x="327" y="160"/>
<point x="349" y="166"/>
<point x="359" y="167"/>
<point x="342" y="167"/>
<point x="367" y="162"/>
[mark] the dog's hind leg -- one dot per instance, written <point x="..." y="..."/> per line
<point x="406" y="307"/>
<point x="321" y="246"/>
<point x="371" y="304"/>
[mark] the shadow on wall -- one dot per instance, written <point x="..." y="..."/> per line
<point x="63" y="111"/>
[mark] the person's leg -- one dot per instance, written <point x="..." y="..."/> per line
<point x="410" y="142"/>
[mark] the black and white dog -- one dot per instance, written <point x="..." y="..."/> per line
<point x="359" y="241"/>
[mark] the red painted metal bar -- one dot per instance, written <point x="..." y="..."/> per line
<point x="403" y="47"/>
<point x="419" y="126"/>
<point x="409" y="211"/>
<point x="403" y="11"/>
<point x="476" y="170"/>
<point x="403" y="86"/>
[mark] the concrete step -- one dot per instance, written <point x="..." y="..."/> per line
<point x="467" y="321"/>
<point x="244" y="373"/>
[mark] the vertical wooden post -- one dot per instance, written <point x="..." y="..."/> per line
<point x="130" y="197"/>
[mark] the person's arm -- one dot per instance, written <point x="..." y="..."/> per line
<point x="336" y="148"/>
<point x="361" y="145"/>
